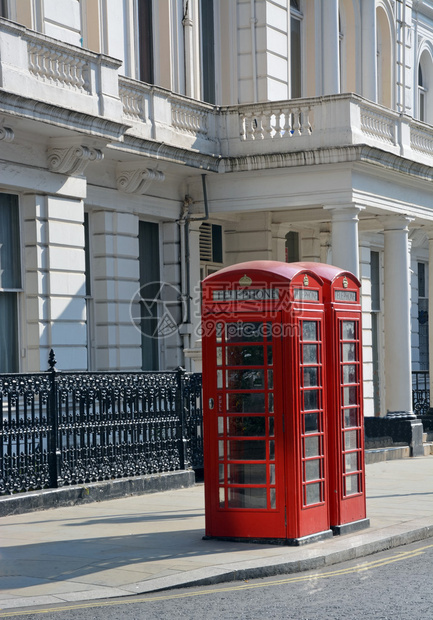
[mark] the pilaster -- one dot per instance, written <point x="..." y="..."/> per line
<point x="398" y="361"/>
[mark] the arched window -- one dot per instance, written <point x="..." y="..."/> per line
<point x="422" y="95"/>
<point x="295" y="50"/>
<point x="385" y="68"/>
<point x="424" y="90"/>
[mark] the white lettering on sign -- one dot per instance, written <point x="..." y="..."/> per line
<point x="250" y="294"/>
<point x="345" y="295"/>
<point x="306" y="294"/>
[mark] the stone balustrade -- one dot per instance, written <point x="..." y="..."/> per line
<point x="68" y="80"/>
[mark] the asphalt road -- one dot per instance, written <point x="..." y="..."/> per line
<point x="396" y="585"/>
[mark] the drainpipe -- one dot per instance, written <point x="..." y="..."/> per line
<point x="185" y="258"/>
<point x="253" y="22"/>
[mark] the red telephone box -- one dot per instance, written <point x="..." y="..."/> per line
<point x="265" y="406"/>
<point x="341" y="296"/>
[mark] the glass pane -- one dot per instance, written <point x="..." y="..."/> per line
<point x="312" y="470"/>
<point x="10" y="255"/>
<point x="311" y="446"/>
<point x="270" y="355"/>
<point x="271" y="427"/>
<point x="245" y="356"/>
<point x="311" y="400"/>
<point x="219" y="356"/>
<point x="272" y="450"/>
<point x="270" y="379"/>
<point x="247" y="498"/>
<point x="352" y="484"/>
<point x="271" y="474"/>
<point x="247" y="450"/>
<point x="220" y="449"/>
<point x="220" y="425"/>
<point x="222" y="497"/>
<point x="309" y="353"/>
<point x="273" y="499"/>
<point x="310" y="376"/>
<point x="219" y="379"/>
<point x="245" y="332"/>
<point x="309" y="330"/>
<point x="246" y="403"/>
<point x="221" y="473"/>
<point x="312" y="493"/>
<point x="271" y="402"/>
<point x="350" y="417"/>
<point x="348" y="330"/>
<point x="219" y="332"/>
<point x="350" y="396"/>
<point x="8" y="332"/>
<point x="311" y="421"/>
<point x="246" y="473"/>
<point x="246" y="379"/>
<point x="349" y="373"/>
<point x="350" y="440"/>
<point x="351" y="462"/>
<point x="247" y="426"/>
<point x="349" y="352"/>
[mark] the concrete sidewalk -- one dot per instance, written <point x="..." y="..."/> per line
<point x="141" y="544"/>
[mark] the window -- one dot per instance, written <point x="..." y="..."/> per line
<point x="10" y="282"/>
<point x="145" y="41"/>
<point x="150" y="288"/>
<point x="423" y="318"/>
<point x="295" y="50"/>
<point x="375" y="316"/>
<point x="292" y="247"/>
<point x="4" y="8"/>
<point x="211" y="248"/>
<point x="208" y="50"/>
<point x="89" y="295"/>
<point x="422" y="95"/>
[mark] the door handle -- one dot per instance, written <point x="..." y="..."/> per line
<point x="211" y="403"/>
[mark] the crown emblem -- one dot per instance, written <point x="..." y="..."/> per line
<point x="245" y="281"/>
<point x="345" y="282"/>
<point x="306" y="280"/>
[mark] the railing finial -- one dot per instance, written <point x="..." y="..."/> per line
<point x="52" y="361"/>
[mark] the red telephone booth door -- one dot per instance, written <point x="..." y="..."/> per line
<point x="243" y="424"/>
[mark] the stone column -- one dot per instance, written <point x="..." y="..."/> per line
<point x="345" y="245"/>
<point x="330" y="48"/>
<point x="55" y="281"/>
<point x="369" y="51"/>
<point x="116" y="290"/>
<point x="398" y="361"/>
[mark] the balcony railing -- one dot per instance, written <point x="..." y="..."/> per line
<point x="42" y="70"/>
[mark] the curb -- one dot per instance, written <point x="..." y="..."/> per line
<point x="94" y="492"/>
<point x="402" y="534"/>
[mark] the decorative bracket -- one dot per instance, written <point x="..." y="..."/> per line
<point x="137" y="181"/>
<point x="72" y="160"/>
<point x="6" y="133"/>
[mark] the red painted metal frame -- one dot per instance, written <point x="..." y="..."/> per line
<point x="299" y="299"/>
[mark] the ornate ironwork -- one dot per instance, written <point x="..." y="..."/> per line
<point x="420" y="392"/>
<point x="63" y="428"/>
<point x="193" y="412"/>
<point x="24" y="431"/>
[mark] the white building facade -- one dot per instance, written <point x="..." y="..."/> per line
<point x="144" y="144"/>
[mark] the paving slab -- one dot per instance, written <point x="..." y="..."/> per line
<point x="145" y="543"/>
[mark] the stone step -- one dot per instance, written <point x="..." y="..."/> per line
<point x="386" y="454"/>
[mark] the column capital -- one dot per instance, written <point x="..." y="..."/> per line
<point x="343" y="213"/>
<point x="396" y="222"/>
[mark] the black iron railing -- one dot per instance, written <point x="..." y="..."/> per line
<point x="63" y="428"/>
<point x="420" y="392"/>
